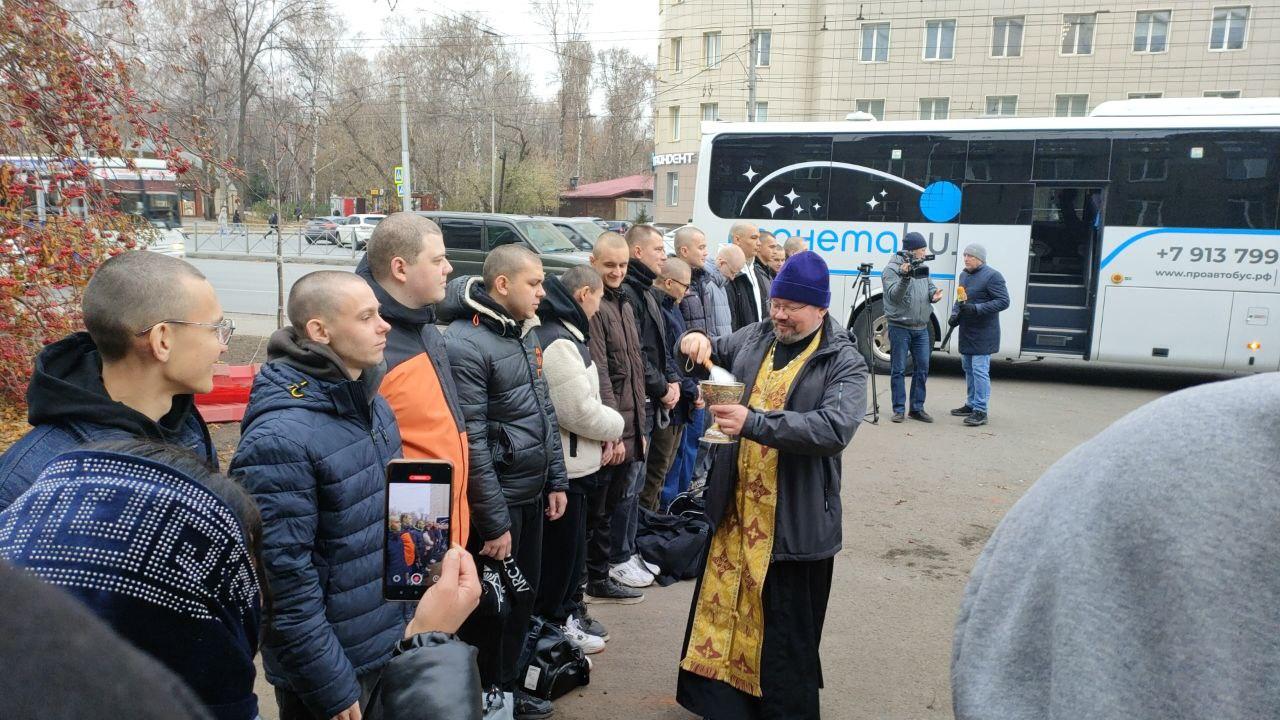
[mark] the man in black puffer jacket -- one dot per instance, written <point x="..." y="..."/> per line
<point x="512" y="432"/>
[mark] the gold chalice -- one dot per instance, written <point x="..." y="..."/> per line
<point x="719" y="393"/>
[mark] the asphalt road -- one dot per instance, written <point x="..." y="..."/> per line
<point x="247" y="287"/>
<point x="919" y="503"/>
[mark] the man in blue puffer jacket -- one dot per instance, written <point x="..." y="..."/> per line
<point x="315" y="443"/>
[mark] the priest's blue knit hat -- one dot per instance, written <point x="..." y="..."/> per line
<point x="804" y="279"/>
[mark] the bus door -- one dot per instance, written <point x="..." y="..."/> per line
<point x="1066" y="238"/>
<point x="998" y="216"/>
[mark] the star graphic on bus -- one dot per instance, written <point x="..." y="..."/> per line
<point x="872" y="203"/>
<point x="883" y="192"/>
<point x="799" y="208"/>
<point x="817" y="206"/>
<point x="791" y="196"/>
<point x="750" y="174"/>
<point x="773" y="205"/>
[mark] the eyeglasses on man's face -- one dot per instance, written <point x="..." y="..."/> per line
<point x="224" y="328"/>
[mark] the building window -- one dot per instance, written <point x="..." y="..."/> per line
<point x="673" y="189"/>
<point x="762" y="112"/>
<point x="674" y="113"/>
<point x="710" y="111"/>
<point x="1145" y="95"/>
<point x="763" y="39"/>
<point x="1002" y="105"/>
<point x="1071" y="105"/>
<point x="874" y="107"/>
<point x="1223" y="93"/>
<point x="676" y="44"/>
<point x="940" y="40"/>
<point x="934" y="108"/>
<point x="1151" y="32"/>
<point x="711" y="48"/>
<point x="1229" y="24"/>
<point x="1006" y="37"/>
<point x="1077" y="34"/>
<point x="875" y="42"/>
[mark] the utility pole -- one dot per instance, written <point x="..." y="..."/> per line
<point x="405" y="187"/>
<point x="578" y="167"/>
<point x="751" y="63"/>
<point x="493" y="156"/>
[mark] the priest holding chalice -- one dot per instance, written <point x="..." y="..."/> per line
<point x="773" y="500"/>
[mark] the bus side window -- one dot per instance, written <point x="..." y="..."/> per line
<point x="740" y="163"/>
<point x="917" y="159"/>
<point x="1218" y="179"/>
<point x="999" y="161"/>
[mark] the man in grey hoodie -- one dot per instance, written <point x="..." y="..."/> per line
<point x="1137" y="579"/>
<point x="908" y="303"/>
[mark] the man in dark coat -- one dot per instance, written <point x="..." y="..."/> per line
<point x="155" y="330"/>
<point x="985" y="297"/>
<point x="749" y="300"/>
<point x="751" y="650"/>
<point x="314" y="447"/>
<point x="615" y="349"/>
<point x="517" y="468"/>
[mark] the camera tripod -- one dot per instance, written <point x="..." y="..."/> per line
<point x="862" y="289"/>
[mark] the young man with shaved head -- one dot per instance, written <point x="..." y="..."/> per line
<point x="615" y="349"/>
<point x="154" y="331"/>
<point x="749" y="298"/>
<point x="769" y="256"/>
<point x="662" y="391"/>
<point x="517" y="475"/>
<point x="314" y="447"/>
<point x="406" y="267"/>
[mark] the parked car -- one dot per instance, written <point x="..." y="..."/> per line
<point x="322" y="229"/>
<point x="468" y="238"/>
<point x="582" y="232"/>
<point x="354" y="230"/>
<point x="619" y="226"/>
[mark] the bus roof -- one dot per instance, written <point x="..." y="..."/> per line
<point x="1147" y="114"/>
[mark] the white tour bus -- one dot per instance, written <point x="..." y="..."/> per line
<point x="1145" y="233"/>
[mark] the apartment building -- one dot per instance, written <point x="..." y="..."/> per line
<point x="908" y="59"/>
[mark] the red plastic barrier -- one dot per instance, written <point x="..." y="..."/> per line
<point x="230" y="394"/>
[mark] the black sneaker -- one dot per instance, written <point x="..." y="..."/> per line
<point x="609" y="591"/>
<point x="962" y="411"/>
<point x="590" y="625"/>
<point x="529" y="707"/>
<point x="920" y="415"/>
<point x="898" y="417"/>
<point x="978" y="417"/>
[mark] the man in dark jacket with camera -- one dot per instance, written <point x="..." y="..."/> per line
<point x="773" y="499"/>
<point x="978" y="316"/>
<point x="909" y="294"/>
<point x="517" y="470"/>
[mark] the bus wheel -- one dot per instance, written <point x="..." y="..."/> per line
<point x="871" y="325"/>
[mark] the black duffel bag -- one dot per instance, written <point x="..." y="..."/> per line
<point x="551" y="664"/>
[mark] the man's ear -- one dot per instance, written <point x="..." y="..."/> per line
<point x="398" y="271"/>
<point x="160" y="342"/>
<point x="502" y="285"/>
<point x="317" y="331"/>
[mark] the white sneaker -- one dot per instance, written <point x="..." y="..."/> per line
<point x="652" y="569"/>
<point x="628" y="574"/>
<point x="589" y="644"/>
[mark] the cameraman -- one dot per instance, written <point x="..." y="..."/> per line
<point x="908" y="296"/>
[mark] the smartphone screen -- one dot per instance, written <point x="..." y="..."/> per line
<point x="419" y="503"/>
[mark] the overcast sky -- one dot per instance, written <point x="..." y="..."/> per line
<point x="612" y="22"/>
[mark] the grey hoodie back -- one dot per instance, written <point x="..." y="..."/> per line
<point x="1138" y="578"/>
<point x="907" y="302"/>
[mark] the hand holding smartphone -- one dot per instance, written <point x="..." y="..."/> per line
<point x="419" y="503"/>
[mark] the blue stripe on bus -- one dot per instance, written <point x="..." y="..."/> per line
<point x="1182" y="231"/>
<point x="876" y="273"/>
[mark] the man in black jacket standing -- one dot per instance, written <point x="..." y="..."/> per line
<point x="773" y="499"/>
<point x="749" y="300"/>
<point x="517" y="470"/>
<point x="662" y="391"/>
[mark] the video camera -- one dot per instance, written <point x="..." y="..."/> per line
<point x="918" y="268"/>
